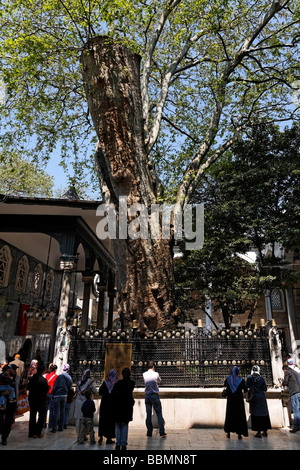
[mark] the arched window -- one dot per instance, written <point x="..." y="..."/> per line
<point x="5" y="264"/>
<point x="37" y="280"/>
<point x="49" y="284"/>
<point x="277" y="300"/>
<point x="22" y="274"/>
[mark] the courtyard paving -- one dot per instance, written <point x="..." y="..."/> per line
<point x="185" y="440"/>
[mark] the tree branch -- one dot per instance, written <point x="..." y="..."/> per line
<point x="73" y="21"/>
<point x="210" y="160"/>
<point x="153" y="134"/>
<point x="196" y="167"/>
<point x="148" y="60"/>
<point x="179" y="129"/>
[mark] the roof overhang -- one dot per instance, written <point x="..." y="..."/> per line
<point x="56" y="217"/>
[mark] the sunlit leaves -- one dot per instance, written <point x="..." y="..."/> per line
<point x="46" y="108"/>
<point x="252" y="202"/>
<point x="20" y="177"/>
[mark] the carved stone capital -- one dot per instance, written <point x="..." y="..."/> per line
<point x="68" y="262"/>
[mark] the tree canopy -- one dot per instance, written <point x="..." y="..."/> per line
<point x="157" y="90"/>
<point x="209" y="69"/>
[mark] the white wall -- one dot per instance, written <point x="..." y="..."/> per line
<point x="188" y="408"/>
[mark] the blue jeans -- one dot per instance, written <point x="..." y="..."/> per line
<point x="153" y="400"/>
<point x="121" y="434"/>
<point x="49" y="407"/>
<point x="295" y="406"/>
<point x="59" y="406"/>
<point x="67" y="412"/>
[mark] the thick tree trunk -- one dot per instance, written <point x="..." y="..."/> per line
<point x="145" y="275"/>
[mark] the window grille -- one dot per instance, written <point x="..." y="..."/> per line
<point x="276" y="300"/>
<point x="49" y="285"/>
<point x="37" y="280"/>
<point x="22" y="275"/>
<point x="5" y="264"/>
<point x="183" y="358"/>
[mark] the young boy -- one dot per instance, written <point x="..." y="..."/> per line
<point x="5" y="384"/>
<point x="87" y="421"/>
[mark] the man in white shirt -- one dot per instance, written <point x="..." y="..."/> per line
<point x="152" y="379"/>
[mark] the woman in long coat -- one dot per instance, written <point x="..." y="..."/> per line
<point x="83" y="385"/>
<point x="106" y="417"/>
<point x="38" y="389"/>
<point x="260" y="419"/>
<point x="235" y="419"/>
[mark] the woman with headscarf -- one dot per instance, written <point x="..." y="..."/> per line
<point x="106" y="412"/>
<point x="28" y="374"/>
<point x="235" y="419"/>
<point x="260" y="419"/>
<point x="86" y="383"/>
<point x="32" y="368"/>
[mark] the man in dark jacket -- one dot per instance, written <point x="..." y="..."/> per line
<point x="292" y="383"/>
<point x="38" y="389"/>
<point x="123" y="407"/>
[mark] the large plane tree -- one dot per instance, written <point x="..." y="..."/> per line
<point x="161" y="89"/>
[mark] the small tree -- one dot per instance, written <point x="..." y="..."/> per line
<point x="20" y="177"/>
<point x="251" y="201"/>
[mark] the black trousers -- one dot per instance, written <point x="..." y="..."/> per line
<point x="37" y="418"/>
<point x="6" y="420"/>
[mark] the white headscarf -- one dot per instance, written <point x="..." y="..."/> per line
<point x="255" y="372"/>
<point x="85" y="382"/>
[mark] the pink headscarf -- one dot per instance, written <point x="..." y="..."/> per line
<point x="32" y="368"/>
<point x="111" y="379"/>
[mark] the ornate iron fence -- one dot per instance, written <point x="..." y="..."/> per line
<point x="183" y="358"/>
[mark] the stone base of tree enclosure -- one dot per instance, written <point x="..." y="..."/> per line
<point x="193" y="365"/>
<point x="196" y="408"/>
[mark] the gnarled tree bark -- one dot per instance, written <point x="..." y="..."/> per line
<point x="145" y="275"/>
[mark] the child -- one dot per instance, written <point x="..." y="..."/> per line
<point x="88" y="409"/>
<point x="5" y="384"/>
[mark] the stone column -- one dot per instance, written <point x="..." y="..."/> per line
<point x="268" y="305"/>
<point x="88" y="281"/>
<point x="62" y="340"/>
<point x="100" y="316"/>
<point x="276" y="354"/>
<point x="292" y="322"/>
<point x="111" y="296"/>
<point x="208" y="321"/>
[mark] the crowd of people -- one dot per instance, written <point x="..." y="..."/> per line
<point x="255" y="386"/>
<point x="50" y="397"/>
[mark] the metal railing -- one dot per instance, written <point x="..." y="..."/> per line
<point x="183" y="358"/>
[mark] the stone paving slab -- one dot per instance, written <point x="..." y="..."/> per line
<point x="185" y="440"/>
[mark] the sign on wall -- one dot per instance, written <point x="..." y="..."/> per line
<point x="117" y="356"/>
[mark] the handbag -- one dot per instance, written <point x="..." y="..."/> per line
<point x="250" y="395"/>
<point x="23" y="404"/>
<point x="225" y="393"/>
